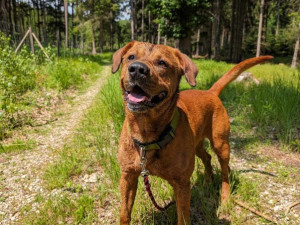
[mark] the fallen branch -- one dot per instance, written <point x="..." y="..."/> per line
<point x="291" y="206"/>
<point x="254" y="211"/>
<point x="42" y="124"/>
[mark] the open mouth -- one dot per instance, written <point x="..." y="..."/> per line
<point x="138" y="100"/>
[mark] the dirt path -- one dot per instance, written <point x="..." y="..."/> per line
<point x="20" y="174"/>
<point x="277" y="179"/>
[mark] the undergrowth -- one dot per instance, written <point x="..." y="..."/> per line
<point x="25" y="78"/>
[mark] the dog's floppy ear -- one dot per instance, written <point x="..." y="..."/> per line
<point x="117" y="57"/>
<point x="190" y="70"/>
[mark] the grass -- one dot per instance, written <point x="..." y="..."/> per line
<point x="18" y="146"/>
<point x="94" y="146"/>
<point x="57" y="208"/>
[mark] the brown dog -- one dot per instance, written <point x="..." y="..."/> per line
<point x="150" y="79"/>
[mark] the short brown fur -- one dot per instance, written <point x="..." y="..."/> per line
<point x="202" y="115"/>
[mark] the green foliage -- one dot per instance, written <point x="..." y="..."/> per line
<point x="16" y="75"/>
<point x="178" y="18"/>
<point x="283" y="44"/>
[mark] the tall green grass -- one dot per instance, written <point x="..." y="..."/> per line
<point x="97" y="135"/>
<point x="271" y="109"/>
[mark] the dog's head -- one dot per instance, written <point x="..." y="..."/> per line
<point x="150" y="74"/>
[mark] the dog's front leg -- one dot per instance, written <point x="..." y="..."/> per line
<point x="182" y="194"/>
<point x="128" y="186"/>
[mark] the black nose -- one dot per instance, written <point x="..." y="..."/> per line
<point x="138" y="70"/>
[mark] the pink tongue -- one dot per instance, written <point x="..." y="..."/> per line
<point x="133" y="97"/>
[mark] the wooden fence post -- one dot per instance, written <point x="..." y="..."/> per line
<point x="31" y="40"/>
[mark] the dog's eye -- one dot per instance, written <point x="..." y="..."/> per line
<point x="131" y="57"/>
<point x="162" y="63"/>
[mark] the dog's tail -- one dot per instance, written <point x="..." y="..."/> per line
<point x="236" y="71"/>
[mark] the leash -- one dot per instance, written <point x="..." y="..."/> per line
<point x="145" y="174"/>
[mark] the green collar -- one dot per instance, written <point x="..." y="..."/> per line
<point x="165" y="137"/>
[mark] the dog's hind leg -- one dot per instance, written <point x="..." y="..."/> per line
<point x="222" y="149"/>
<point x="206" y="160"/>
<point x="219" y="140"/>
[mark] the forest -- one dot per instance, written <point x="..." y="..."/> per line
<point x="228" y="30"/>
<point x="62" y="111"/>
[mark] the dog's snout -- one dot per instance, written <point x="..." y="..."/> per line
<point x="138" y="70"/>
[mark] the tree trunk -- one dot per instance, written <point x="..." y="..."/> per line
<point x="218" y="5"/>
<point x="209" y="38"/>
<point x="31" y="40"/>
<point x="198" y="42"/>
<point x="236" y="42"/>
<point x="82" y="43"/>
<point x="93" y="42"/>
<point x="57" y="28"/>
<point x="165" y="40"/>
<point x="22" y="24"/>
<point x="4" y="15"/>
<point x="38" y="19"/>
<point x="294" y="62"/>
<point x="185" y="45"/>
<point x="101" y="36"/>
<point x="223" y="37"/>
<point x="265" y="23"/>
<point x="111" y="30"/>
<point x="11" y="30"/>
<point x="158" y="34"/>
<point x="260" y="27"/>
<point x="119" y="36"/>
<point x="73" y="35"/>
<point x="143" y="13"/>
<point x="133" y="19"/>
<point x="58" y="41"/>
<point x="149" y="27"/>
<point x="66" y="23"/>
<point x="44" y="36"/>
<point x="15" y="15"/>
<point x="277" y="18"/>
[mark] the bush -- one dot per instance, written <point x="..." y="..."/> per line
<point x="16" y="75"/>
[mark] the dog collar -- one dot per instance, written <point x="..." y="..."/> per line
<point x="165" y="137"/>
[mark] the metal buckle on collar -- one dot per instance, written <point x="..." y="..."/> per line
<point x="143" y="161"/>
